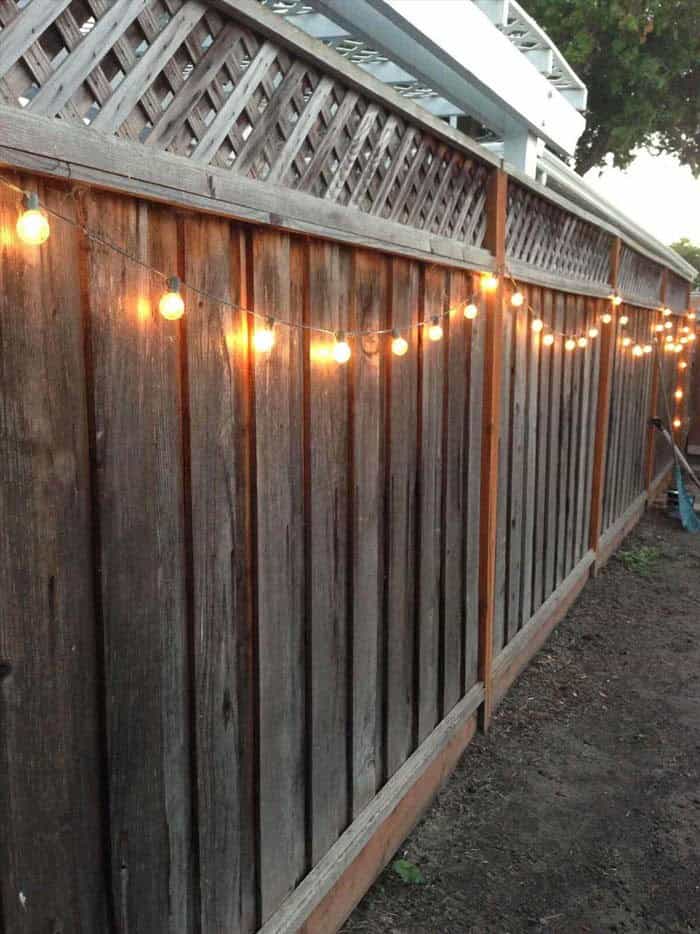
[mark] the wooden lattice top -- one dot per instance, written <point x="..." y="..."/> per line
<point x="544" y="235"/>
<point x="639" y="277"/>
<point x="181" y="77"/>
<point x="676" y="293"/>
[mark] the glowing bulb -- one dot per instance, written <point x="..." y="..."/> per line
<point x="606" y="318"/>
<point x="682" y="365"/>
<point x="616" y="300"/>
<point x="668" y="348"/>
<point x="678" y="394"/>
<point x="659" y="328"/>
<point x="624" y="319"/>
<point x="669" y="338"/>
<point x="648" y="348"/>
<point x="637" y="350"/>
<point x="537" y="325"/>
<point x="171" y="305"/>
<point x="678" y="348"/>
<point x="691" y="316"/>
<point x="470" y="311"/>
<point x="593" y="332"/>
<point x="341" y="350"/>
<point x="32" y="225"/>
<point x="435" y="329"/>
<point x="399" y="345"/>
<point x="582" y="342"/>
<point x="684" y="340"/>
<point x="668" y="325"/>
<point x="489" y="282"/>
<point x="626" y="341"/>
<point x="548" y="340"/>
<point x="264" y="338"/>
<point x="691" y="337"/>
<point x="677" y="423"/>
<point x="666" y="312"/>
<point x="685" y="329"/>
<point x="517" y="299"/>
<point x="569" y="344"/>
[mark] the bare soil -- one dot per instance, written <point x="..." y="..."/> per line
<point x="580" y="810"/>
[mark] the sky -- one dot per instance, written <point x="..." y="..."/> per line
<point x="655" y="191"/>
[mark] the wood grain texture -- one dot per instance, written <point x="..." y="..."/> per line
<point x="53" y="852"/>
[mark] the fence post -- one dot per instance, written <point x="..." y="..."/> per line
<point x="654" y="397"/>
<point x="607" y="349"/>
<point x="495" y="241"/>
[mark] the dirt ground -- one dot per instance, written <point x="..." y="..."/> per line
<point x="580" y="811"/>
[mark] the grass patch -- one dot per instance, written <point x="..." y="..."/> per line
<point x="641" y="560"/>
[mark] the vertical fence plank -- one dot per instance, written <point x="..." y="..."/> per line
<point x="278" y="278"/>
<point x="402" y="529"/>
<point x="541" y="505"/>
<point x="430" y="476"/>
<point x="505" y="350"/>
<point x="579" y="438"/>
<point x="370" y="285"/>
<point x="137" y="416"/>
<point x="51" y="857"/>
<point x="454" y="502"/>
<point x="476" y="334"/>
<point x="327" y="518"/>
<point x="591" y="429"/>
<point x="564" y="435"/>
<point x="530" y="465"/>
<point x="601" y="428"/>
<point x="217" y="368"/>
<point x="517" y="470"/>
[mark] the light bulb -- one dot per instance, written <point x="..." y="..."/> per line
<point x="569" y="344"/>
<point x="648" y="348"/>
<point x="668" y="325"/>
<point x="593" y="332"/>
<point x="264" y="338"/>
<point x="32" y="225"/>
<point x="678" y="348"/>
<point x="637" y="351"/>
<point x="537" y="325"/>
<point x="606" y="318"/>
<point x="517" y="299"/>
<point x="489" y="282"/>
<point x="582" y="342"/>
<point x="615" y="299"/>
<point x="691" y="316"/>
<point x="341" y="350"/>
<point x="685" y="329"/>
<point x="626" y="341"/>
<point x="691" y="337"/>
<point x="470" y="311"/>
<point x="548" y="340"/>
<point x="684" y="340"/>
<point x="669" y="338"/>
<point x="399" y="345"/>
<point x="677" y="423"/>
<point x="435" y="329"/>
<point x="666" y="312"/>
<point x="659" y="328"/>
<point x="682" y="365"/>
<point x="668" y="348"/>
<point x="678" y="393"/>
<point x="171" y="305"/>
<point x="624" y="319"/>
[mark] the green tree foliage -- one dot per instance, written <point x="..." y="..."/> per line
<point x="641" y="62"/>
<point x="690" y="252"/>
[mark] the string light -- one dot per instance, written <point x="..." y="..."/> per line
<point x="582" y="342"/>
<point x="399" y="344"/>
<point x="691" y="316"/>
<point x="678" y="348"/>
<point x="691" y="337"/>
<point x="606" y="318"/>
<point x="32" y="225"/>
<point x="341" y="350"/>
<point x="626" y="341"/>
<point x="659" y="328"/>
<point x="537" y="325"/>
<point x="264" y="338"/>
<point x="548" y="340"/>
<point x="569" y="344"/>
<point x="172" y="305"/>
<point x="666" y="312"/>
<point x="685" y="329"/>
<point x="489" y="282"/>
<point x="470" y="311"/>
<point x="668" y="325"/>
<point x="678" y="393"/>
<point x="517" y="299"/>
<point x="624" y="320"/>
<point x="616" y="299"/>
<point x="677" y="423"/>
<point x="682" y="365"/>
<point x="435" y="331"/>
<point x="593" y="333"/>
<point x="648" y="348"/>
<point x="637" y="351"/>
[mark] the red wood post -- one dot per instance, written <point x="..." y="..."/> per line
<point x="496" y="242"/>
<point x="607" y="350"/>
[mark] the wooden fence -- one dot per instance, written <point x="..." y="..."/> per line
<point x="252" y="604"/>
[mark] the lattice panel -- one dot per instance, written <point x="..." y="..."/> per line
<point x="544" y="235"/>
<point x="178" y="76"/>
<point x="676" y="293"/>
<point x="639" y="277"/>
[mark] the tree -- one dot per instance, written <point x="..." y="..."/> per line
<point x="690" y="252"/>
<point x="641" y="62"/>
